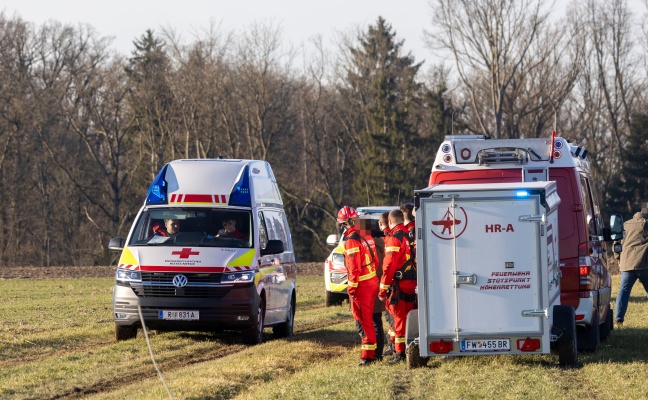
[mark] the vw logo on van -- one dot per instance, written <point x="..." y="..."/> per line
<point x="180" y="280"/>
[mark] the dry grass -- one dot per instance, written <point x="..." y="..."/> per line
<point x="56" y="342"/>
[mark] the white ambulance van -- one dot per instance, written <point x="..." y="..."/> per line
<point x="210" y="250"/>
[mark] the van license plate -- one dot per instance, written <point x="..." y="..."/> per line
<point x="486" y="345"/>
<point x="179" y="315"/>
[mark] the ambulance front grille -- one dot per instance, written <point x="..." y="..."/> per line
<point x="167" y="277"/>
<point x="172" y="291"/>
<point x="160" y="284"/>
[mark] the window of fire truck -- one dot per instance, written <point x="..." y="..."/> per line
<point x="198" y="227"/>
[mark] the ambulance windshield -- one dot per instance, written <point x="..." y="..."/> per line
<point x="207" y="227"/>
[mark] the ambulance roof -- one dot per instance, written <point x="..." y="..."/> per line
<point x="216" y="183"/>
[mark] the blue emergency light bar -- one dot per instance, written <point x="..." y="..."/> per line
<point x="522" y="193"/>
<point x="157" y="193"/>
<point x="240" y="195"/>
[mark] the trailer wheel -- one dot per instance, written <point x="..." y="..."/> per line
<point x="413" y="356"/>
<point x="125" y="332"/>
<point x="564" y="327"/>
<point x="607" y="327"/>
<point x="589" y="338"/>
<point x="411" y="327"/>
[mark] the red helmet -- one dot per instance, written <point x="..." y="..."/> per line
<point x="346" y="213"/>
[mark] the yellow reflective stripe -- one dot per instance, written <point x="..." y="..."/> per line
<point x="383" y="286"/>
<point x="352" y="250"/>
<point x="368" y="276"/>
<point x="353" y="284"/>
<point x="400" y="339"/>
<point x="389" y="249"/>
<point x="369" y="346"/>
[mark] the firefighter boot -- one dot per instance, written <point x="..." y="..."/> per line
<point x="366" y="362"/>
<point x="398" y="357"/>
<point x="390" y="347"/>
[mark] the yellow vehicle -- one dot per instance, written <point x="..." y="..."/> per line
<point x="335" y="273"/>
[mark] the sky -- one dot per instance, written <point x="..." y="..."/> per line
<point x="299" y="20"/>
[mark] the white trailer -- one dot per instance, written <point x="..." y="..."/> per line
<point x="488" y="273"/>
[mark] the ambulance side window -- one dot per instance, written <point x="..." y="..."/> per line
<point x="263" y="233"/>
<point x="275" y="226"/>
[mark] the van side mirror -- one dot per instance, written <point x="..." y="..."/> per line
<point x="332" y="240"/>
<point x="116" y="244"/>
<point x="616" y="228"/>
<point x="273" y="247"/>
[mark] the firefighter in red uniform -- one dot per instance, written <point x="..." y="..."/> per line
<point x="408" y="218"/>
<point x="398" y="282"/>
<point x="361" y="260"/>
<point x="383" y="224"/>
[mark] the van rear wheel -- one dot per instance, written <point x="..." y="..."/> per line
<point x="589" y="338"/>
<point x="607" y="326"/>
<point x="125" y="332"/>
<point x="285" y="329"/>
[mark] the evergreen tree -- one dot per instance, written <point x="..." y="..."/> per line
<point x="150" y="99"/>
<point x="382" y="82"/>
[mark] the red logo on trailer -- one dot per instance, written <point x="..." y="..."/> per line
<point x="443" y="227"/>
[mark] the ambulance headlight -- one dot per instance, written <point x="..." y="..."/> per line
<point x="126" y="275"/>
<point x="238" y="277"/>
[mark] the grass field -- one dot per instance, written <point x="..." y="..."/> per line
<point x="56" y="341"/>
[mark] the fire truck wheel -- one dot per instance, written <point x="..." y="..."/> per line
<point x="413" y="357"/>
<point x="125" y="332"/>
<point x="589" y="337"/>
<point x="254" y="334"/>
<point x="285" y="329"/>
<point x="607" y="327"/>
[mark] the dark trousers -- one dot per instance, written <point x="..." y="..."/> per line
<point x="380" y="334"/>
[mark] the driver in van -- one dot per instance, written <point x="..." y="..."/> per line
<point x="229" y="229"/>
<point x="171" y="228"/>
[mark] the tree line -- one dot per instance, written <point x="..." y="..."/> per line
<point x="83" y="130"/>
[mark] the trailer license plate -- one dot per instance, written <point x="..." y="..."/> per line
<point x="486" y="345"/>
<point x="179" y="315"/>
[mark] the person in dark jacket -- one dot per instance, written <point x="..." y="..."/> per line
<point x="634" y="260"/>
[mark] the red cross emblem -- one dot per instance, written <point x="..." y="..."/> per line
<point x="185" y="253"/>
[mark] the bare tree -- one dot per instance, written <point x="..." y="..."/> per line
<point x="503" y="51"/>
<point x="263" y="91"/>
<point x="609" y="88"/>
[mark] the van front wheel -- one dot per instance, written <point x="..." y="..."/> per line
<point x="254" y="334"/>
<point x="125" y="332"/>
